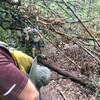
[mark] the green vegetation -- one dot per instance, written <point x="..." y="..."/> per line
<point x="68" y="21"/>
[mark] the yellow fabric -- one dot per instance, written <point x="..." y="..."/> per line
<point x="24" y="61"/>
<point x="21" y="59"/>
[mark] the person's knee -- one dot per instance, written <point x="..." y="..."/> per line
<point x="29" y="92"/>
<point x="42" y="76"/>
<point x="34" y="52"/>
<point x="35" y="95"/>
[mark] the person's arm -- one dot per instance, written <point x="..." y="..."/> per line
<point x="29" y="92"/>
<point x="14" y="84"/>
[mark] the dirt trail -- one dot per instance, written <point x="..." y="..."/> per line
<point x="60" y="88"/>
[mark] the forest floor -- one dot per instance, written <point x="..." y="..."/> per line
<point x="61" y="88"/>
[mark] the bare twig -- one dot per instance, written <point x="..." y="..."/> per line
<point x="62" y="94"/>
<point x="92" y="51"/>
<point x="81" y="23"/>
<point x="52" y="11"/>
<point x="86" y="50"/>
<point x="78" y="66"/>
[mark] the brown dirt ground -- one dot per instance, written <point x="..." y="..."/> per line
<point x="61" y="88"/>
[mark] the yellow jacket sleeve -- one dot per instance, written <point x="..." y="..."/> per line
<point x="24" y="61"/>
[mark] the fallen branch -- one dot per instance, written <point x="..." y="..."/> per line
<point x="81" y="22"/>
<point x="89" y="52"/>
<point x="68" y="58"/>
<point x="62" y="94"/>
<point x="49" y="63"/>
<point x="52" y="11"/>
